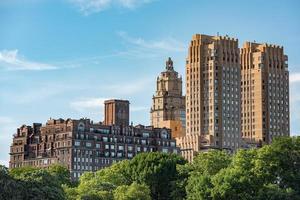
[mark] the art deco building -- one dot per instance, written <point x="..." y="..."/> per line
<point x="168" y="106"/>
<point x="82" y="145"/>
<point x="265" y="92"/>
<point x="213" y="78"/>
<point x="116" y="112"/>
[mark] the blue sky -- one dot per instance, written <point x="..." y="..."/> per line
<point x="62" y="58"/>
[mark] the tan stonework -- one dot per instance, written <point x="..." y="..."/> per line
<point x="168" y="107"/>
<point x="212" y="95"/>
<point x="265" y="92"/>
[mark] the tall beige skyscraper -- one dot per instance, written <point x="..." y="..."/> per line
<point x="168" y="106"/>
<point x="265" y="92"/>
<point x="213" y="78"/>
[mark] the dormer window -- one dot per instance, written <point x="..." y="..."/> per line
<point x="81" y="126"/>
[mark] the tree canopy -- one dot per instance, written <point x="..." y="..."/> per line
<point x="271" y="172"/>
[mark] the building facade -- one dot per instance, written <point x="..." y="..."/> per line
<point x="116" y="112"/>
<point x="168" y="103"/>
<point x="265" y="93"/>
<point x="82" y="145"/>
<point x="213" y="92"/>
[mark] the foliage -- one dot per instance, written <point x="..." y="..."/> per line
<point x="153" y="172"/>
<point x="178" y="186"/>
<point x="132" y="192"/>
<point x="9" y="188"/>
<point x="33" y="183"/>
<point x="60" y="173"/>
<point x="157" y="170"/>
<point x="204" y="166"/>
<point x="271" y="172"/>
<point x="40" y="184"/>
<point x="211" y="162"/>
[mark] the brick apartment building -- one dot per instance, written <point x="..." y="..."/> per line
<point x="82" y="145"/>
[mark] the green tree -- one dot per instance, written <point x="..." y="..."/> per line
<point x="92" y="186"/>
<point x="199" y="187"/>
<point x="157" y="170"/>
<point x="271" y="172"/>
<point x="70" y="192"/>
<point x="39" y="184"/>
<point x="116" y="174"/>
<point x="100" y="184"/>
<point x="132" y="192"/>
<point x="202" y="169"/>
<point x="9" y="188"/>
<point x="274" y="192"/>
<point x="17" y="172"/>
<point x="279" y="163"/>
<point x="179" y="184"/>
<point x="210" y="162"/>
<point x="60" y="173"/>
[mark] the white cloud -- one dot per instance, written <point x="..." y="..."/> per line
<point x="95" y="105"/>
<point x="91" y="6"/>
<point x="167" y="44"/>
<point x="86" y="104"/>
<point x="132" y="3"/>
<point x="88" y="7"/>
<point x="294" y="77"/>
<point x="11" y="60"/>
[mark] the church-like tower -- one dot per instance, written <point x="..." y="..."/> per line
<point x="168" y="106"/>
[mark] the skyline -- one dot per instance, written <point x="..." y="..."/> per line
<point x="73" y="60"/>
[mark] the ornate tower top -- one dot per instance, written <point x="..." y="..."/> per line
<point x="169" y="64"/>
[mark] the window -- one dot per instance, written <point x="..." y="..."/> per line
<point x="130" y="148"/>
<point x="121" y="148"/>
<point x="98" y="146"/>
<point x="81" y="126"/>
<point x="164" y="135"/>
<point x="130" y="155"/>
<point x="165" y="150"/>
<point x="88" y="144"/>
<point x="145" y="134"/>
<point x="77" y="143"/>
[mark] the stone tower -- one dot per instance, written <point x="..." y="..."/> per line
<point x="168" y="106"/>
<point x="116" y="112"/>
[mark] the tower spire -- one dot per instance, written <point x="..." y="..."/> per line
<point x="169" y="64"/>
